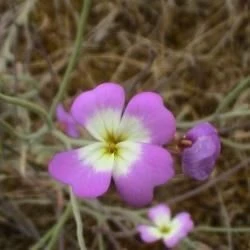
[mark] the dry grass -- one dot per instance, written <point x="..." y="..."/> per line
<point x="192" y="52"/>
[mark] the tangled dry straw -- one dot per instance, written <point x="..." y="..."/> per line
<point x="194" y="53"/>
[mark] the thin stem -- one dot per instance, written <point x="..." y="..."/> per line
<point x="28" y="105"/>
<point x="68" y="141"/>
<point x="43" y="130"/>
<point x="225" y="217"/>
<point x="92" y="212"/>
<point x="43" y="240"/>
<point x="59" y="226"/>
<point x="189" y="243"/>
<point x="213" y="117"/>
<point x="79" y="225"/>
<point x="236" y="145"/>
<point x="100" y="236"/>
<point x="208" y="229"/>
<point x="100" y="242"/>
<point x="223" y="177"/>
<point x="234" y="93"/>
<point x="21" y="20"/>
<point x="63" y="138"/>
<point x="73" y="59"/>
<point x="32" y="136"/>
<point x="6" y="126"/>
<point x="135" y="216"/>
<point x="54" y="231"/>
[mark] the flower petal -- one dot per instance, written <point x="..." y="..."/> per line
<point x="148" y="234"/>
<point x="158" y="122"/>
<point x="68" y="121"/>
<point x="83" y="175"/>
<point x="100" y="109"/>
<point x="152" y="167"/>
<point x="201" y="129"/>
<point x="181" y="225"/>
<point x="198" y="161"/>
<point x="160" y="215"/>
<point x="205" y="129"/>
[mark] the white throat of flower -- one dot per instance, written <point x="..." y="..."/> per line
<point x="117" y="145"/>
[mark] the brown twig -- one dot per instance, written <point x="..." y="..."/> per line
<point x="211" y="183"/>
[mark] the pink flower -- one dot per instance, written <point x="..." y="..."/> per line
<point x="171" y="231"/>
<point x="67" y="121"/>
<point x="126" y="145"/>
<point x="198" y="161"/>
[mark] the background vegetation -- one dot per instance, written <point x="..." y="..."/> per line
<point x="195" y="53"/>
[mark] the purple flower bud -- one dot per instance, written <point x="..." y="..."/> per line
<point x="67" y="121"/>
<point x="199" y="160"/>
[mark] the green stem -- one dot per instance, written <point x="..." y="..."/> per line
<point x="236" y="145"/>
<point x="234" y="93"/>
<point x="92" y="212"/>
<point x="73" y="59"/>
<point x="63" y="138"/>
<point x="6" y="126"/>
<point x="43" y="240"/>
<point x="100" y="242"/>
<point x="59" y="226"/>
<point x="68" y="141"/>
<point x="53" y="232"/>
<point x="32" y="136"/>
<point x="100" y="239"/>
<point x="222" y="229"/>
<point x="21" y="20"/>
<point x="189" y="244"/>
<point x="213" y="117"/>
<point x="136" y="217"/>
<point x="227" y="101"/>
<point x="28" y="105"/>
<point x="78" y="220"/>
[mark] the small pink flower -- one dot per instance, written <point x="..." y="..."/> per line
<point x="67" y="121"/>
<point x="127" y="145"/>
<point x="198" y="161"/>
<point x="170" y="231"/>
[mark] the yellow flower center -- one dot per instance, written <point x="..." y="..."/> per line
<point x="165" y="229"/>
<point x="112" y="141"/>
<point x="111" y="148"/>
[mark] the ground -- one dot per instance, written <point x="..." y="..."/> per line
<point x="195" y="53"/>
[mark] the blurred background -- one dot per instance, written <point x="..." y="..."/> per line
<point x="195" y="53"/>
